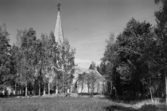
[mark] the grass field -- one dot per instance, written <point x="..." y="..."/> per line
<point x="70" y="104"/>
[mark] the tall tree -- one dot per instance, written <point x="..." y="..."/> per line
<point x="130" y="59"/>
<point x="27" y="41"/>
<point x="161" y="18"/>
<point x="63" y="61"/>
<point x="81" y="80"/>
<point x="16" y="64"/>
<point x="5" y="62"/>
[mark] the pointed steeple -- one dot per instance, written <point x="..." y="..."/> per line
<point x="59" y="37"/>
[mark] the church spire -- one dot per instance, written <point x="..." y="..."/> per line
<point x="59" y="37"/>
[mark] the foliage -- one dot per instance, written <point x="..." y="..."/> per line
<point x="161" y="31"/>
<point x="32" y="63"/>
<point x="130" y="60"/>
<point x="5" y="57"/>
<point x="63" y="61"/>
<point x="91" y="80"/>
<point x="82" y="80"/>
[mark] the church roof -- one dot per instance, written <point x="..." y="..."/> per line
<point x="58" y="33"/>
<point x="79" y="71"/>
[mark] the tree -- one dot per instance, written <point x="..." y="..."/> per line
<point x="81" y="80"/>
<point x="50" y="54"/>
<point x="5" y="61"/>
<point x="161" y="18"/>
<point x="16" y="64"/>
<point x="42" y="54"/>
<point x="91" y="79"/>
<point x="68" y="60"/>
<point x="35" y="62"/>
<point x="27" y="70"/>
<point x="63" y="63"/>
<point x="130" y="59"/>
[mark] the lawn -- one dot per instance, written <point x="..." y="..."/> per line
<point x="70" y="104"/>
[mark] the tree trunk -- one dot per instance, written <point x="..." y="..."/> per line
<point x="150" y="89"/>
<point x="63" y="83"/>
<point x="161" y="85"/>
<point x="71" y="88"/>
<point x="44" y="92"/>
<point x="81" y="88"/>
<point x="15" y="89"/>
<point x="166" y="85"/>
<point x="39" y="91"/>
<point x="151" y="95"/>
<point x="20" y="92"/>
<point x="56" y="90"/>
<point x="48" y="88"/>
<point x="116" y="93"/>
<point x="88" y="89"/>
<point x="110" y="88"/>
<point x="104" y="89"/>
<point x="92" y="90"/>
<point x="33" y="92"/>
<point x="26" y="90"/>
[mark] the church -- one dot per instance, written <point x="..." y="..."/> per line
<point x="77" y="87"/>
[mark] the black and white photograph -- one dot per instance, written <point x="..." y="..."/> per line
<point x="83" y="55"/>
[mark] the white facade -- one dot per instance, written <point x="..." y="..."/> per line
<point x="99" y="86"/>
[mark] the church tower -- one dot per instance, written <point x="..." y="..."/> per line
<point x="59" y="37"/>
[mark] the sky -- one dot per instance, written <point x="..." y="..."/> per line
<point x="87" y="24"/>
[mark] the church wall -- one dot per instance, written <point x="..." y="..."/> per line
<point x="98" y="88"/>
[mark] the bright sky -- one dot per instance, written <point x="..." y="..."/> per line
<point x="86" y="23"/>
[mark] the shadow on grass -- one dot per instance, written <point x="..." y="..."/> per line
<point x="118" y="108"/>
<point x="144" y="108"/>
